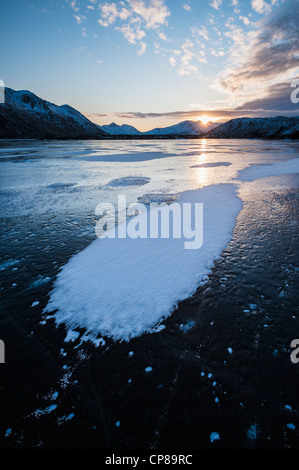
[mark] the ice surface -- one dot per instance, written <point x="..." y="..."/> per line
<point x="211" y="165"/>
<point x="47" y="410"/>
<point x="65" y="418"/>
<point x="40" y="281"/>
<point x="112" y="299"/>
<point x="261" y="171"/>
<point x="130" y="181"/>
<point x="186" y="327"/>
<point x="121" y="288"/>
<point x="252" y="432"/>
<point x="60" y="185"/>
<point x="72" y="336"/>
<point x="8" y="264"/>
<point x="126" y="157"/>
<point x="215" y="436"/>
<point x="8" y="432"/>
<point x="158" y="198"/>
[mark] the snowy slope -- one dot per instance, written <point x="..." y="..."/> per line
<point x="183" y="128"/>
<point x="25" y="115"/>
<point x="125" y="129"/>
<point x="280" y="127"/>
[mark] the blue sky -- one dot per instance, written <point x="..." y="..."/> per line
<point x="153" y="63"/>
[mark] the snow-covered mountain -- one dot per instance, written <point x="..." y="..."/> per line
<point x="183" y="128"/>
<point x="25" y="115"/>
<point x="279" y="127"/>
<point x="114" y="129"/>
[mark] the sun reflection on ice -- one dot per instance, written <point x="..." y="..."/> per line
<point x="201" y="175"/>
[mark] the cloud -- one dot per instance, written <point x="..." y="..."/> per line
<point x="245" y="20"/>
<point x="142" y="48"/>
<point x="95" y="115"/>
<point x="276" y="102"/>
<point x="134" y="17"/>
<point x="270" y="54"/>
<point x="154" y="13"/>
<point x="79" y="18"/>
<point x="249" y="109"/>
<point x="73" y="5"/>
<point x="186" y="65"/>
<point x="79" y="49"/>
<point x="131" y="34"/>
<point x="200" y="32"/>
<point x="162" y="36"/>
<point x="183" y="115"/>
<point x="186" y="7"/>
<point x="276" y="98"/>
<point x="260" y="6"/>
<point x="110" y="13"/>
<point x="215" y="4"/>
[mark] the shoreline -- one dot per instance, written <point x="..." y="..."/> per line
<point x="185" y="137"/>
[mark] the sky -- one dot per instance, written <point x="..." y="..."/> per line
<point x="154" y="63"/>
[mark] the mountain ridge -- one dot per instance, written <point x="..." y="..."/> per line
<point x="24" y="115"/>
<point x="279" y="127"/>
<point x="182" y="128"/>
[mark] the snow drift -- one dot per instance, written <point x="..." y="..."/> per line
<point x="121" y="288"/>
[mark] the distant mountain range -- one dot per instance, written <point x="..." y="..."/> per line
<point x="115" y="129"/>
<point x="26" y="116"/>
<point x="189" y="128"/>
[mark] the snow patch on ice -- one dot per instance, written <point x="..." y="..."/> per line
<point x="254" y="172"/>
<point x="60" y="185"/>
<point x="126" y="157"/>
<point x="40" y="281"/>
<point x="65" y="418"/>
<point x="158" y="198"/>
<point x="215" y="436"/>
<point x="187" y="326"/>
<point x="47" y="410"/>
<point x="211" y="165"/>
<point x="72" y="336"/>
<point x="9" y="264"/>
<point x="8" y="432"/>
<point x="130" y="181"/>
<point x="252" y="432"/>
<point x="122" y="288"/>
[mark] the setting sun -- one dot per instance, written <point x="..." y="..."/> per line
<point x="204" y="119"/>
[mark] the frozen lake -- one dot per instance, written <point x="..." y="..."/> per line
<point x="72" y="177"/>
<point x="49" y="191"/>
